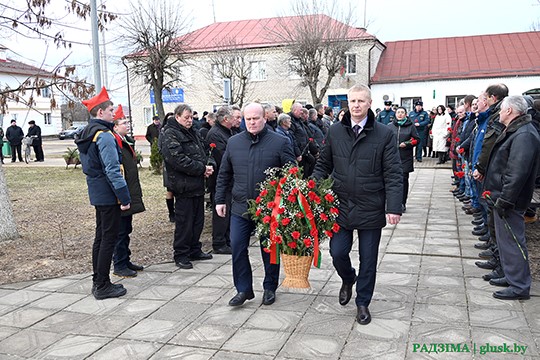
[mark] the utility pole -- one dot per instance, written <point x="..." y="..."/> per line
<point x="95" y="45"/>
<point x="104" y="58"/>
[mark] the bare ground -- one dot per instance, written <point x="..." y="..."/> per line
<point x="56" y="224"/>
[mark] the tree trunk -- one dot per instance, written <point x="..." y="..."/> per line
<point x="8" y="227"/>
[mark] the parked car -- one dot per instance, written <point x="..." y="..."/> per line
<point x="71" y="133"/>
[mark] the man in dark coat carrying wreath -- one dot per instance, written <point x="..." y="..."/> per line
<point x="363" y="159"/>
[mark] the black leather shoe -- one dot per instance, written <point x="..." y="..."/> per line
<point x="480" y="232"/>
<point x="118" y="286"/>
<point x="109" y="291"/>
<point x="490" y="264"/>
<point x="499" y="282"/>
<point x="484" y="237"/>
<point x="184" y="264"/>
<point x="363" y="316"/>
<point x="135" y="267"/>
<point x="201" y="256"/>
<point x="345" y="293"/>
<point x="477" y="222"/>
<point x="479" y="227"/>
<point x="495" y="274"/>
<point x="125" y="273"/>
<point x="224" y="250"/>
<point x="269" y="297"/>
<point x="509" y="294"/>
<point x="484" y="245"/>
<point x="478" y="216"/>
<point x="486" y="254"/>
<point x="240" y="298"/>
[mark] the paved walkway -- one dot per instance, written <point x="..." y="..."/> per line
<point x="428" y="291"/>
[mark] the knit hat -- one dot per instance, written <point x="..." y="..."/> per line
<point x="96" y="100"/>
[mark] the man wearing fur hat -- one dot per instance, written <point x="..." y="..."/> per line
<point x="107" y="189"/>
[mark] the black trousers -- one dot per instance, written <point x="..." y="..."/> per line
<point x="107" y="226"/>
<point x="16" y="148"/>
<point x="38" y="150"/>
<point x="405" y="187"/>
<point x="221" y="226"/>
<point x="189" y="221"/>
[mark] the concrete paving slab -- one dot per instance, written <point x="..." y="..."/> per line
<point x="28" y="342"/>
<point x="209" y="336"/>
<point x="120" y="349"/>
<point x="24" y="317"/>
<point x="309" y="346"/>
<point x="73" y="347"/>
<point x="153" y="330"/>
<point x="256" y="341"/>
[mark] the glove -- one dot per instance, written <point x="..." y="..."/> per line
<point x="501" y="206"/>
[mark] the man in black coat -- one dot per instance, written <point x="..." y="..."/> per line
<point x="34" y="132"/>
<point x="15" y="134"/>
<point x="247" y="156"/>
<point x="219" y="135"/>
<point x="153" y="130"/>
<point x="510" y="177"/>
<point x="363" y="159"/>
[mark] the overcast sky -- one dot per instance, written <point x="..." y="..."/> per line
<point x="388" y="20"/>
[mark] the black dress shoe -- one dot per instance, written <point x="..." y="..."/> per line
<point x="109" y="291"/>
<point x="509" y="294"/>
<point x="184" y="264"/>
<point x="363" y="316"/>
<point x="201" y="256"/>
<point x="240" y="298"/>
<point x="484" y="245"/>
<point x="499" y="282"/>
<point x="480" y="232"/>
<point x="477" y="222"/>
<point x="117" y="286"/>
<point x="490" y="264"/>
<point x="484" y="237"/>
<point x="486" y="254"/>
<point x="479" y="227"/>
<point x="125" y="273"/>
<point x="135" y="267"/>
<point x="269" y="297"/>
<point x="345" y="293"/>
<point x="495" y="274"/>
<point x="224" y="250"/>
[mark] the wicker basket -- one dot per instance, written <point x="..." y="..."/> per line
<point x="296" y="271"/>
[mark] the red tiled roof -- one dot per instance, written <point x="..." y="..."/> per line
<point x="467" y="57"/>
<point x="14" y="67"/>
<point x="252" y="33"/>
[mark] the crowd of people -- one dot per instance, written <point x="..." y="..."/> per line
<point x="369" y="157"/>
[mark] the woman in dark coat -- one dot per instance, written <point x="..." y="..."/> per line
<point x="407" y="138"/>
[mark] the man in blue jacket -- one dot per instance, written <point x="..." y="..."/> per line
<point x="247" y="156"/>
<point x="420" y="119"/>
<point x="107" y="190"/>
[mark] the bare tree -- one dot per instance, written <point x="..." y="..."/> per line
<point x="152" y="37"/>
<point x="230" y="61"/>
<point x="317" y="43"/>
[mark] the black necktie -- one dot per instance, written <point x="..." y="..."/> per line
<point x="356" y="129"/>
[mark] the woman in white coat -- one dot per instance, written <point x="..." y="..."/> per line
<point x="441" y="124"/>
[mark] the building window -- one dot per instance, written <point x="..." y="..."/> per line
<point x="294" y="64"/>
<point x="454" y="100"/>
<point x="258" y="70"/>
<point x="47" y="118"/>
<point x="350" y="63"/>
<point x="216" y="76"/>
<point x="148" y="113"/>
<point x="408" y="103"/>
<point x="46" y="92"/>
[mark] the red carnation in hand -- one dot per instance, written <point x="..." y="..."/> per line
<point x="212" y="145"/>
<point x="307" y="242"/>
<point x="311" y="184"/>
<point x="258" y="212"/>
<point x="266" y="219"/>
<point x="329" y="197"/>
<point x="486" y="194"/>
<point x="295" y="235"/>
<point x="292" y="245"/>
<point x="334" y="211"/>
<point x="324" y="217"/>
<point x="285" y="221"/>
<point x="293" y="170"/>
<point x="335" y="228"/>
<point x="461" y="150"/>
<point x="414" y="142"/>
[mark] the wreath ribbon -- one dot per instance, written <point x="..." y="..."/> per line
<point x="308" y="214"/>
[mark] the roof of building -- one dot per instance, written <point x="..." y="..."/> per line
<point x="466" y="57"/>
<point x="256" y="33"/>
<point x="14" y="67"/>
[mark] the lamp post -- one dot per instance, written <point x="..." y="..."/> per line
<point x="129" y="97"/>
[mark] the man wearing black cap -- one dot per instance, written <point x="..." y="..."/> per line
<point x="14" y="134"/>
<point x="387" y="115"/>
<point x="34" y="132"/>
<point x="420" y="119"/>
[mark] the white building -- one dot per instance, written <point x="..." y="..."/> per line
<point x="14" y="73"/>
<point x="444" y="70"/>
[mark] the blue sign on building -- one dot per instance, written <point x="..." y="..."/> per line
<point x="174" y="95"/>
